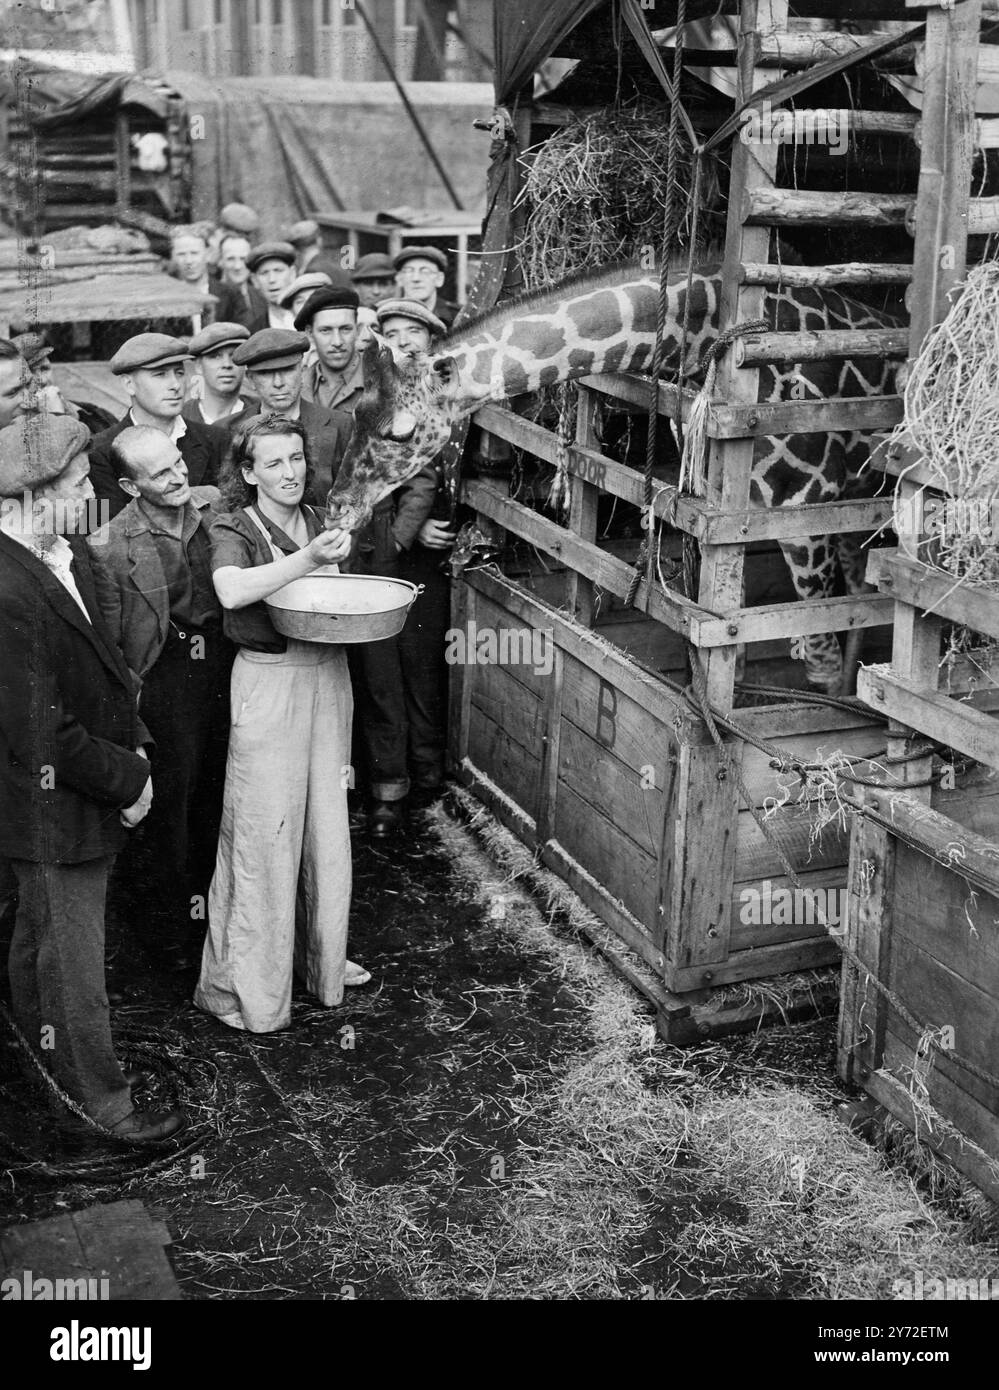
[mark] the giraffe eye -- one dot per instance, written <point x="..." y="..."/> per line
<point x="403" y="426"/>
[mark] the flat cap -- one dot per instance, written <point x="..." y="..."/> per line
<point x="409" y="309"/>
<point x="325" y="299"/>
<point x="301" y="233"/>
<point x="272" y="348"/>
<point x="271" y="251"/>
<point x="425" y="253"/>
<point x="239" y="218"/>
<point x="311" y="280"/>
<point x="217" y="335"/>
<point x="36" y="448"/>
<point x="374" y="266"/>
<point x="149" y="350"/>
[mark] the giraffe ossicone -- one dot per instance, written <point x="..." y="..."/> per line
<point x="605" y="321"/>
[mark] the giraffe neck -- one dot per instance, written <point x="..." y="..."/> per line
<point x="607" y="324"/>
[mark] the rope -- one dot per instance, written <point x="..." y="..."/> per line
<point x="713" y="721"/>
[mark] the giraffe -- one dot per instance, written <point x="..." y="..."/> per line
<point x="605" y="321"/>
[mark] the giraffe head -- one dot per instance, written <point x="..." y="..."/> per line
<point x="401" y="423"/>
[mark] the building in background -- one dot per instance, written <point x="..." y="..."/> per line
<point x="426" y="40"/>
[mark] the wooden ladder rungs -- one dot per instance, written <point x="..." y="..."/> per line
<point x="769" y="207"/>
<point x="825" y="276"/>
<point x="954" y="723"/>
<point x="761" y="349"/>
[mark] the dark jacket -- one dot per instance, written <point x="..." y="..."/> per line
<point x="395" y="524"/>
<point x="326" y="433"/>
<point x="132" y="589"/>
<point x="242" y="304"/>
<point x="192" y="411"/>
<point x="202" y="448"/>
<point x="68" y="718"/>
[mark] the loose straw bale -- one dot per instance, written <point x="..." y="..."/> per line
<point x="596" y="192"/>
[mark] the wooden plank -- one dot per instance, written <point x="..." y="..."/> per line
<point x="595" y="896"/>
<point x="942" y="915"/>
<point x="551" y="740"/>
<point x="511" y="706"/>
<point x="762" y="780"/>
<point x="584" y="497"/>
<point x="825" y="276"/>
<point x="793" y="619"/>
<point x="761" y="963"/>
<point x="936" y="834"/>
<point x="764" y="418"/>
<point x="601" y="779"/>
<point x="514" y="768"/>
<point x="914" y="583"/>
<point x="515" y="639"/>
<point x="600" y="847"/>
<point x="652" y="692"/>
<point x="759" y="349"/>
<point x="792" y="827"/>
<point x="696" y="893"/>
<point x="125" y="1238"/>
<point x="107" y="298"/>
<point x="942" y="211"/>
<point x="764" y="206"/>
<point x="461" y="679"/>
<point x="766" y="898"/>
<point x="638" y="739"/>
<point x="669" y="607"/>
<point x="781" y="523"/>
<point x="952" y="722"/>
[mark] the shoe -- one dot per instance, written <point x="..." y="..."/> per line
<point x="149" y="1126"/>
<point x="384" y="819"/>
<point x="356" y="974"/>
<point x="137" y="1078"/>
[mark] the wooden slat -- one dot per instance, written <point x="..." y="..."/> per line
<point x="611" y="856"/>
<point x="757" y="349"/>
<point x="600" y="779"/>
<point x="934" y="833"/>
<point x="765" y="418"/>
<point x="952" y="722"/>
<point x="797" y="619"/>
<point x="825" y="276"/>
<point x="914" y="583"/>
<point x="514" y="768"/>
<point x="761" y="963"/>
<point x="780" y="523"/>
<point x="774" y="207"/>
<point x="105" y="298"/>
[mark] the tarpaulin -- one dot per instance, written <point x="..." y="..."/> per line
<point x="291" y="146"/>
<point x="52" y="97"/>
<point x="524" y="34"/>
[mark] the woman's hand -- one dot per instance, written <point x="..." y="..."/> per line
<point x="329" y="547"/>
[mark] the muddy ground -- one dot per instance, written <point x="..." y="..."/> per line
<point x="492" y="1117"/>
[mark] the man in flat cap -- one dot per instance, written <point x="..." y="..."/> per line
<point x="190" y="259"/>
<point x="16" y="385"/>
<point x="329" y="317"/>
<point x="306" y="238"/>
<point x="275" y="363"/>
<point x="215" y="396"/>
<point x="420" y="272"/>
<point x="151" y="366"/>
<point x="400" y="683"/>
<point x="235" y="219"/>
<point x="374" y="279"/>
<point x="272" y="265"/>
<point x="303" y="287"/>
<point x="239" y="299"/>
<point x="156" y="593"/>
<point x="72" y="779"/>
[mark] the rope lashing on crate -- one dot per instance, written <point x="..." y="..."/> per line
<point x="698" y="698"/>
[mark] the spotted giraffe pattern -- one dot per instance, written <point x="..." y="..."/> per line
<point x="606" y="323"/>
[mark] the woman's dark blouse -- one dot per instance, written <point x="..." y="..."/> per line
<point x="236" y="540"/>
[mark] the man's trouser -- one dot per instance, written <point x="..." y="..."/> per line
<point x="401" y="686"/>
<point x="57" y="986"/>
<point x="185" y="706"/>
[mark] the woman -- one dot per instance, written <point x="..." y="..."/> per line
<point x="284" y="846"/>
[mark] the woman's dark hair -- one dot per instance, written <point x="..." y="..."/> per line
<point x="236" y="491"/>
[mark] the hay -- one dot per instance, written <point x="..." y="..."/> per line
<point x="596" y="192"/>
<point x="952" y="420"/>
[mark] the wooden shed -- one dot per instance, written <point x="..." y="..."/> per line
<point x="606" y="768"/>
<point x="919" y="1026"/>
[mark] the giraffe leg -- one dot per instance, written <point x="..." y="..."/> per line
<point x="812" y="565"/>
<point x="852" y="555"/>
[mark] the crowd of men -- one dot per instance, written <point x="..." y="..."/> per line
<point x="114" y="702"/>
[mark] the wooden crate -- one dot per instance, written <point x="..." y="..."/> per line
<point x="926" y="924"/>
<point x="923" y="904"/>
<point x="604" y="770"/>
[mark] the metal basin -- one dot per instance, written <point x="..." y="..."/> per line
<point x="341" y="607"/>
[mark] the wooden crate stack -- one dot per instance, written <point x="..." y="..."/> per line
<point x="923" y="905"/>
<point x="601" y="767"/>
